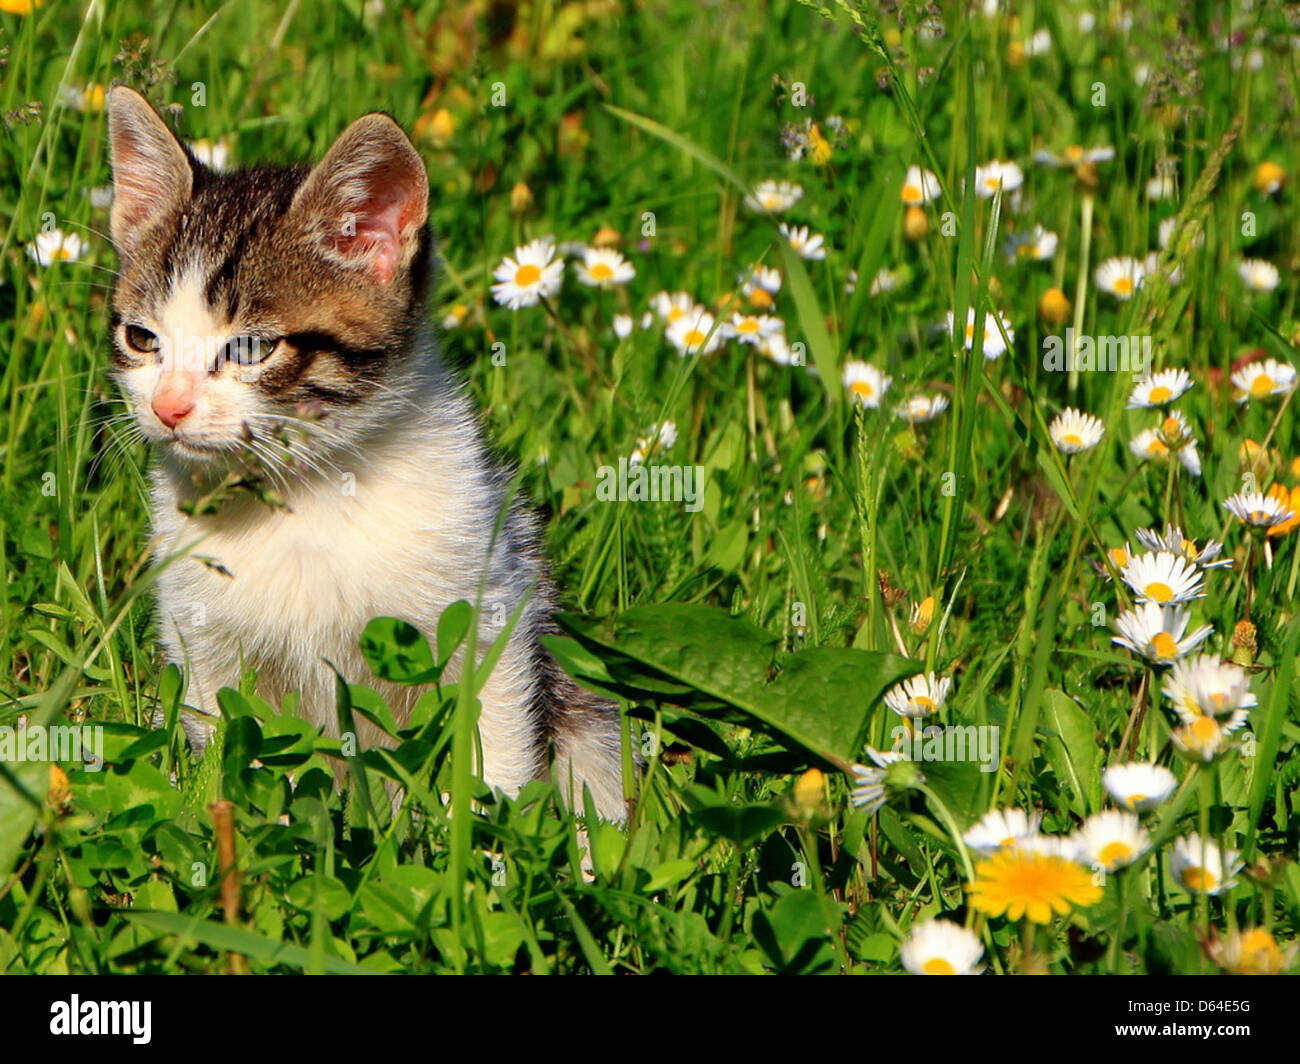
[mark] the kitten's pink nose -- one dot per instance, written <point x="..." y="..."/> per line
<point x="172" y="401"/>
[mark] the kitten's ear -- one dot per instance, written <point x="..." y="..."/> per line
<point x="151" y="171"/>
<point x="368" y="199"/>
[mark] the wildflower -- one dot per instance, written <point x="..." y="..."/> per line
<point x="885" y="281"/>
<point x="1001" y="828"/>
<point x="532" y="275"/>
<point x="1020" y="883"/>
<point x="919" y="187"/>
<point x="1112" y="839"/>
<point x="1120" y="277"/>
<point x="89" y="99"/>
<point x="1173" y="540"/>
<point x="1038" y="245"/>
<point x="918" y="696"/>
<point x="940" y="947"/>
<point x="211" y="153"/>
<point x="53" y="245"/>
<point x="1204" y="686"/>
<point x="759" y="285"/>
<point x="1163" y="577"/>
<point x="654" y="441"/>
<point x="1252" y="952"/>
<point x="1075" y="156"/>
<point x="1160" y="389"/>
<point x="996" y="174"/>
<point x="1291" y="500"/>
<point x="694" y="333"/>
<point x="1258" y="510"/>
<point x="994" y="345"/>
<point x="1259" y="275"/>
<point x="867" y="384"/>
<point x="922" y="615"/>
<point x="455" y="317"/>
<point x="1205" y="738"/>
<point x="922" y="408"/>
<point x="604" y="268"/>
<point x="1195" y="240"/>
<point x="1268" y="178"/>
<point x="1054" y="307"/>
<point x="808" y="245"/>
<point x="673" y="306"/>
<point x="1159" y="633"/>
<point x="1200" y="867"/>
<point x="773" y="197"/>
<point x="1137" y="786"/>
<point x="915" y="223"/>
<point x="1073" y="431"/>
<point x="1260" y="380"/>
<point x="623" y="325"/>
<point x="521" y="198"/>
<point x="750" y="328"/>
<point x="874" y="784"/>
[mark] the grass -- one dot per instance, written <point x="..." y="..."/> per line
<point x="749" y="643"/>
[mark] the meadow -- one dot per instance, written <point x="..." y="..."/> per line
<point x="947" y="651"/>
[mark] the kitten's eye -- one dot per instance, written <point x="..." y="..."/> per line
<point x="249" y="350"/>
<point x="141" y="340"/>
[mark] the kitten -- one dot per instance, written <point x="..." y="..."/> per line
<point x="280" y="315"/>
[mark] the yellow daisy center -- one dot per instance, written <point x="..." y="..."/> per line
<point x="760" y="297"/>
<point x="1119" y="557"/>
<point x="991" y="183"/>
<point x="912" y="194"/>
<point x="1114" y="853"/>
<point x="694" y="337"/>
<point x="527" y="274"/>
<point x="923" y="702"/>
<point x="1073" y="439"/>
<point x="747" y="325"/>
<point x="1164" y="645"/>
<point x="1161" y="394"/>
<point x="1074" y="153"/>
<point x="1124" y="285"/>
<point x="771" y="201"/>
<point x="863" y="388"/>
<point x="1261" y="386"/>
<point x="1206" y="729"/>
<point x="674" y="313"/>
<point x="1134" y="800"/>
<point x="1171" y="428"/>
<point x="1198" y="878"/>
<point x="1158" y="591"/>
<point x="938" y="966"/>
<point x="1157" y="448"/>
<point x="601" y="271"/>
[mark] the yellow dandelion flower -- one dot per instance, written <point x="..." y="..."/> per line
<point x="1019" y="883"/>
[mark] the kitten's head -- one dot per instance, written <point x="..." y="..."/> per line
<point x="267" y="298"/>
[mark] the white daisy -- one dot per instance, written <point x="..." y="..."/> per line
<point x="54" y="245"/>
<point x="1204" y="738"/>
<point x="213" y="154"/>
<point x="694" y="333"/>
<point x="750" y="328"/>
<point x="673" y="306"/>
<point x="869" y="790"/>
<point x="1159" y="633"/>
<point x="1200" y="867"/>
<point x="604" y="268"/>
<point x="995" y="174"/>
<point x="654" y="441"/>
<point x="920" y="187"/>
<point x="999" y="828"/>
<point x="866" y="383"/>
<point x="623" y="325"/>
<point x="994" y="346"/>
<point x="532" y="275"/>
<point x="1138" y="786"/>
<point x="1112" y="839"/>
<point x="940" y="947"/>
<point x="1160" y="389"/>
<point x="1205" y="686"/>
<point x="1195" y="238"/>
<point x="759" y="285"/>
<point x="919" y="696"/>
<point x="773" y="197"/>
<point x="808" y="245"/>
<point x="1260" y="380"/>
<point x="1120" y="276"/>
<point x="1257" y="509"/>
<point x="1075" y="156"/>
<point x="1074" y="431"/>
<point x="1038" y="245"/>
<point x="1164" y="578"/>
<point x="1173" y="540"/>
<point x="884" y="282"/>
<point x="922" y="408"/>
<point x="1258" y="275"/>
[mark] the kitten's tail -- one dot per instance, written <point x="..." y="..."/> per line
<point x="588" y="749"/>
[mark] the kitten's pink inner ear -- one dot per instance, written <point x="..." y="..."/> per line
<point x="377" y="225"/>
<point x="151" y="172"/>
